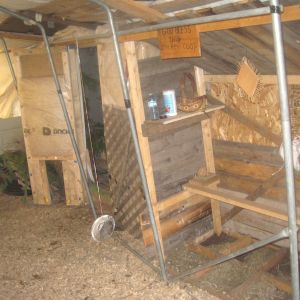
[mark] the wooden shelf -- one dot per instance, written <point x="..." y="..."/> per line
<point x="182" y="115"/>
<point x="158" y="127"/>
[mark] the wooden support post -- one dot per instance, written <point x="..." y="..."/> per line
<point x="138" y="110"/>
<point x="208" y="150"/>
<point x="39" y="181"/>
<point x="72" y="181"/>
<point x="74" y="192"/>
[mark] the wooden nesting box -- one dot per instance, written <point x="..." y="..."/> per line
<point x="45" y="130"/>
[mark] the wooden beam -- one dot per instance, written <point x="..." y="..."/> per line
<point x="175" y="223"/>
<point x="247" y="153"/>
<point x="273" y="261"/>
<point x="290" y="13"/>
<point x="61" y="20"/>
<point x="204" y="251"/>
<point x="20" y="36"/>
<point x="265" y="79"/>
<point x="74" y="191"/>
<point x="240" y="243"/>
<point x="254" y="171"/>
<point x="259" y="191"/>
<point x="137" y="10"/>
<point x="204" y="237"/>
<point x="169" y="202"/>
<point x="278" y="283"/>
<point x="229" y="198"/>
<point x="208" y="150"/>
<point x="247" y="185"/>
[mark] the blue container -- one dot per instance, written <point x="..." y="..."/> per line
<point x="170" y="103"/>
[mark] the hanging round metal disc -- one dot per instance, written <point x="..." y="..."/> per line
<point x="103" y="227"/>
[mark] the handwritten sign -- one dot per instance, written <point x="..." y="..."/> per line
<point x="177" y="42"/>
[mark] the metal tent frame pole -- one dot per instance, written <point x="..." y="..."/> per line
<point x="287" y="145"/>
<point x="11" y="68"/>
<point x="193" y="21"/>
<point x="135" y="138"/>
<point x="61" y="100"/>
<point x="283" y="234"/>
<point x="200" y="20"/>
<point x="291" y="231"/>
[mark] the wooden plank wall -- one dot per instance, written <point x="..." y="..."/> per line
<point x="246" y="158"/>
<point x="243" y="167"/>
<point x="176" y="157"/>
<point x="125" y="182"/>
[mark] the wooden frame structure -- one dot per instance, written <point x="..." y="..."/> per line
<point x="128" y="41"/>
<point x="45" y="132"/>
<point x="196" y="188"/>
<point x="139" y="115"/>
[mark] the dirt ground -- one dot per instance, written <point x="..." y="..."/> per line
<point x="47" y="253"/>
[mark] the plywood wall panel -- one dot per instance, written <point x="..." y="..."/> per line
<point x="264" y="109"/>
<point x="43" y="122"/>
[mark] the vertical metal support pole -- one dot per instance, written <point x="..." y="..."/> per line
<point x="135" y="139"/>
<point x="287" y="144"/>
<point x="12" y="71"/>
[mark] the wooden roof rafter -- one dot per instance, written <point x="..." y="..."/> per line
<point x="137" y="10"/>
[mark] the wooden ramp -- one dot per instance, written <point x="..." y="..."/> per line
<point x="259" y="218"/>
<point x="229" y="198"/>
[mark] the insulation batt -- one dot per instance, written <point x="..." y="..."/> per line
<point x="296" y="152"/>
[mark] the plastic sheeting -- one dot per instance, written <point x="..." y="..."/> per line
<point x="9" y="103"/>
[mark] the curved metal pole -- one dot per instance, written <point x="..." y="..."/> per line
<point x="61" y="100"/>
<point x="287" y="145"/>
<point x="135" y="138"/>
<point x="169" y="24"/>
<point x="11" y="68"/>
<point x="283" y="234"/>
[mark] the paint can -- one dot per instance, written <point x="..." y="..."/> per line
<point x="169" y="99"/>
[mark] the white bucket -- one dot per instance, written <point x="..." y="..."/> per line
<point x="170" y="103"/>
